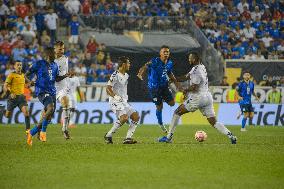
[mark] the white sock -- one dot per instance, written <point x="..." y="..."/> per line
<point x="131" y="129"/>
<point x="222" y="129"/>
<point x="114" y="128"/>
<point x="65" y="116"/>
<point x="173" y="126"/>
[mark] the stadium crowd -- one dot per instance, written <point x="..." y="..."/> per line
<point x="251" y="29"/>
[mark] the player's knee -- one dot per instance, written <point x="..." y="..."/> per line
<point x="8" y="114"/>
<point x="212" y="120"/>
<point x="123" y="119"/>
<point x="135" y="117"/>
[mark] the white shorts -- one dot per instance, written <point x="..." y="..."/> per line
<point x="121" y="108"/>
<point x="63" y="92"/>
<point x="73" y="39"/>
<point x="203" y="102"/>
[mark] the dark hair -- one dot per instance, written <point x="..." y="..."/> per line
<point x="59" y="43"/>
<point x="49" y="52"/>
<point x="246" y="72"/>
<point x="195" y="55"/>
<point x="164" y="47"/>
<point x="122" y="60"/>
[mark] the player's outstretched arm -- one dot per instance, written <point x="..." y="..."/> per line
<point x="112" y="94"/>
<point x="142" y="71"/>
<point x="60" y="78"/>
<point x="182" y="78"/>
<point x="174" y="80"/>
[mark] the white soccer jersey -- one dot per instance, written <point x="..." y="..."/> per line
<point x="62" y="63"/>
<point x="198" y="75"/>
<point x="119" y="82"/>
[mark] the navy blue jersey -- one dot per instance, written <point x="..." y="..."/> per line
<point x="158" y="73"/>
<point x="46" y="74"/>
<point x="245" y="90"/>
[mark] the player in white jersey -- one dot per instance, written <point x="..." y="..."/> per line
<point x="62" y="87"/>
<point x="74" y="84"/>
<point x="198" y="97"/>
<point x="117" y="91"/>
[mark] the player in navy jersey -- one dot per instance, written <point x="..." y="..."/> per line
<point x="245" y="91"/>
<point x="159" y="76"/>
<point x="46" y="72"/>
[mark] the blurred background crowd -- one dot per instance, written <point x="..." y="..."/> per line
<point x="238" y="29"/>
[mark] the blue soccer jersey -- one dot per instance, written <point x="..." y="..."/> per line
<point x="158" y="73"/>
<point x="46" y="74"/>
<point x="245" y="91"/>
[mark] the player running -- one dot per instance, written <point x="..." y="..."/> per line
<point x="245" y="90"/>
<point x="159" y="74"/>
<point x="14" y="89"/>
<point x="117" y="91"/>
<point x="200" y="98"/>
<point x="74" y="85"/>
<point x="63" y="92"/>
<point x="47" y="73"/>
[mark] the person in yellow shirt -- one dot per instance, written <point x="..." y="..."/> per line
<point x="274" y="96"/>
<point x="14" y="89"/>
<point x="232" y="94"/>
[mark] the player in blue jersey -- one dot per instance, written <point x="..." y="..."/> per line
<point x="46" y="72"/>
<point x="245" y="91"/>
<point x="159" y="76"/>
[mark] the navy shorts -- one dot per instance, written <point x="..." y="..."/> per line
<point x="19" y="101"/>
<point x="161" y="94"/>
<point x="47" y="99"/>
<point x="246" y="108"/>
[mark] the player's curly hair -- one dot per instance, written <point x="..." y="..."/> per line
<point x="122" y="60"/>
<point x="49" y="54"/>
<point x="59" y="43"/>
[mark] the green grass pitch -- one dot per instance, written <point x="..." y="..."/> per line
<point x="257" y="161"/>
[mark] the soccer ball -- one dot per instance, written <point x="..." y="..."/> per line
<point x="200" y="136"/>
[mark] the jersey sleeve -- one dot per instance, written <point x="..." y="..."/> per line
<point x="170" y="69"/>
<point x="9" y="79"/>
<point x="113" y="79"/>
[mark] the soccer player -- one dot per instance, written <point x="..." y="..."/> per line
<point x="245" y="90"/>
<point x="198" y="97"/>
<point x="62" y="88"/>
<point x="159" y="74"/>
<point x="117" y="91"/>
<point x="47" y="73"/>
<point x="74" y="84"/>
<point x="14" y="87"/>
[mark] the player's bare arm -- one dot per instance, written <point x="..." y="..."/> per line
<point x="82" y="97"/>
<point x="182" y="78"/>
<point x="60" y="78"/>
<point x="6" y="90"/>
<point x="174" y="80"/>
<point x="191" y="88"/>
<point x="142" y="71"/>
<point x="112" y="94"/>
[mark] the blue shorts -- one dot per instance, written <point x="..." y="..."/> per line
<point x="246" y="108"/>
<point x="161" y="94"/>
<point x="47" y="99"/>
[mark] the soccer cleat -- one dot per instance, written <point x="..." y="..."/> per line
<point x="66" y="135"/>
<point x="129" y="141"/>
<point x="29" y="139"/>
<point x="233" y="140"/>
<point x="164" y="139"/>
<point x="243" y="129"/>
<point x="164" y="129"/>
<point x="108" y="140"/>
<point x="42" y="136"/>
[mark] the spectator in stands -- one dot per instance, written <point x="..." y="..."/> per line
<point x="241" y="6"/>
<point x="269" y="81"/>
<point x="73" y="6"/>
<point x="232" y="95"/>
<point x="45" y="39"/>
<point x="39" y="19"/>
<point x="102" y="73"/>
<point x="281" y="83"/>
<point x="92" y="45"/>
<point x="259" y="56"/>
<point x="100" y="57"/>
<point x="267" y="40"/>
<point x="41" y="4"/>
<point x="51" y="21"/>
<point x="274" y="96"/>
<point x="88" y="60"/>
<point x="19" y="53"/>
<point x="250" y="55"/>
<point x="28" y="34"/>
<point x="249" y="32"/>
<point x="91" y="74"/>
<point x="86" y="8"/>
<point x="22" y="10"/>
<point x="9" y="69"/>
<point x="224" y="81"/>
<point x="74" y="31"/>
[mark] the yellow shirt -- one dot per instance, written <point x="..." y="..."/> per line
<point x="16" y="83"/>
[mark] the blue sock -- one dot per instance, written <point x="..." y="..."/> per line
<point x="159" y="116"/>
<point x="44" y="125"/>
<point x="34" y="130"/>
<point x="244" y="121"/>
